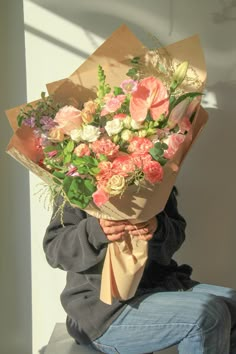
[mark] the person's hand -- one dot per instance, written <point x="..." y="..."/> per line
<point x="145" y="230"/>
<point x="115" y="230"/>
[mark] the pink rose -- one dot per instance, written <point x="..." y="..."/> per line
<point x="153" y="171"/>
<point x="100" y="197"/>
<point x="112" y="105"/>
<point x="173" y="142"/>
<point x="68" y="119"/>
<point x="140" y="145"/>
<point x="82" y="150"/>
<point x="105" y="147"/>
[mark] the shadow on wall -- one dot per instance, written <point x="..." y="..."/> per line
<point x="212" y="185"/>
<point x="227" y="13"/>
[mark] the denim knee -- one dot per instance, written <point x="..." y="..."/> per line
<point x="213" y="314"/>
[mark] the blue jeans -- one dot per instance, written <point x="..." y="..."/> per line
<point x="201" y="321"/>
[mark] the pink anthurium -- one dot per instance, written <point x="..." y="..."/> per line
<point x="150" y="95"/>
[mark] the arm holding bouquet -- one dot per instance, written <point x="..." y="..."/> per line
<point x="116" y="230"/>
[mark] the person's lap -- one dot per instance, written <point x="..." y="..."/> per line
<point x="160" y="320"/>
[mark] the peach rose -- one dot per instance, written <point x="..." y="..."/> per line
<point x="82" y="150"/>
<point x="68" y="119"/>
<point x="90" y="106"/>
<point x="56" y="135"/>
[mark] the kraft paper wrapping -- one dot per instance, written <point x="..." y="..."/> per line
<point x="125" y="260"/>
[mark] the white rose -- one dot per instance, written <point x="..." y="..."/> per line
<point x="90" y="133"/>
<point x="113" y="126"/>
<point x="75" y="135"/>
<point x="115" y="185"/>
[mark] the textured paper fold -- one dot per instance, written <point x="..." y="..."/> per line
<point x="125" y="260"/>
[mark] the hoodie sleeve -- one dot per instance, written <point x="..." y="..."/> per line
<point x="78" y="244"/>
<point x="170" y="233"/>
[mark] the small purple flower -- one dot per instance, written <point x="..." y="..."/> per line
<point x="29" y="122"/>
<point x="37" y="132"/>
<point x="47" y="123"/>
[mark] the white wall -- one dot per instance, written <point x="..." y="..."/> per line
<point x="15" y="269"/>
<point x="59" y="35"/>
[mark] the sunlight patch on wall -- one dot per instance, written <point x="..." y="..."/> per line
<point x="52" y="39"/>
<point x="209" y="100"/>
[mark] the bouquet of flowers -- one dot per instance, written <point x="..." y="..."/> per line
<point x="115" y="147"/>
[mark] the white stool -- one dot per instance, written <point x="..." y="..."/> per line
<point x="61" y="343"/>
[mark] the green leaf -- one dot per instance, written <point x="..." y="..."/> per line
<point x="186" y="95"/>
<point x="117" y="91"/>
<point x="132" y="72"/>
<point x="162" y="160"/>
<point x="158" y="145"/>
<point x="59" y="175"/>
<point x="89" y="185"/>
<point x="135" y="60"/>
<point x="164" y="146"/>
<point x="70" y="146"/>
<point x="66" y="183"/>
<point x="94" y="170"/>
<point x="83" y="169"/>
<point x="156" y="152"/>
<point x="50" y="148"/>
<point x="67" y="158"/>
<point x="20" y="119"/>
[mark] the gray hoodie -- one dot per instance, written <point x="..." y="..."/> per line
<point x="79" y="248"/>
